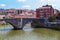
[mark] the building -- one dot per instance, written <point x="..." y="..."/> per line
<point x="56" y="12"/>
<point x="25" y="13"/>
<point x="2" y="16"/>
<point x="44" y="11"/>
<point x="10" y="11"/>
<point x="1" y="11"/>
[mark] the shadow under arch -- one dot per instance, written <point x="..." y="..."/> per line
<point x="14" y="27"/>
<point x="13" y="22"/>
<point x="26" y="21"/>
<point x="27" y="25"/>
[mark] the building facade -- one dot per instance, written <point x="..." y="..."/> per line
<point x="56" y="12"/>
<point x="23" y="14"/>
<point x="44" y="11"/>
<point x="1" y="11"/>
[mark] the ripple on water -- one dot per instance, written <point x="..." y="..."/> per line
<point x="28" y="29"/>
<point x="30" y="34"/>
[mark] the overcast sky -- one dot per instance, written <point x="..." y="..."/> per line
<point x="28" y="4"/>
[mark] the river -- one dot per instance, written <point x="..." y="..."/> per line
<point x="28" y="34"/>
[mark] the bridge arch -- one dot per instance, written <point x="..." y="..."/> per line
<point x="27" y="20"/>
<point x="13" y="21"/>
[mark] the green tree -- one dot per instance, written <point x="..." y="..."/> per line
<point x="58" y="17"/>
<point x="51" y="18"/>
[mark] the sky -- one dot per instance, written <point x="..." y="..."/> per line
<point x="28" y="4"/>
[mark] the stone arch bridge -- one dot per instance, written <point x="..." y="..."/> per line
<point x="18" y="23"/>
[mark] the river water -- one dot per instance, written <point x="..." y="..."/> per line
<point x="28" y="34"/>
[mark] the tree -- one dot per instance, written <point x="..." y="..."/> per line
<point x="51" y="18"/>
<point x="58" y="17"/>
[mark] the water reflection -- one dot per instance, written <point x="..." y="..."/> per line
<point x="28" y="29"/>
<point x="30" y="34"/>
